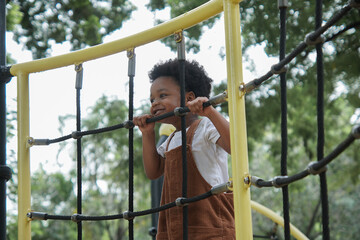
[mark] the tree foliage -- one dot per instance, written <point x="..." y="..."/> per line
<point x="39" y="24"/>
<point x="105" y="161"/>
<point x="106" y="175"/>
<point x="177" y="8"/>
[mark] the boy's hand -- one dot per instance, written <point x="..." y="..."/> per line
<point x="142" y="124"/>
<point x="196" y="106"/>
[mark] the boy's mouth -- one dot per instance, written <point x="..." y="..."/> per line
<point x="158" y="112"/>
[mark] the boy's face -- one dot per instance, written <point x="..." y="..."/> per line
<point x="164" y="95"/>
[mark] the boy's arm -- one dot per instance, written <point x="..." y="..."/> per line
<point x="222" y="126"/>
<point x="220" y="123"/>
<point x="153" y="162"/>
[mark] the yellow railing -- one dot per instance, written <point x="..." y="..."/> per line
<point x="239" y="154"/>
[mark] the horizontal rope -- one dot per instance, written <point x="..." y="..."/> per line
<point x="130" y="215"/>
<point x="313" y="168"/>
<point x="127" y="124"/>
<point x="309" y="40"/>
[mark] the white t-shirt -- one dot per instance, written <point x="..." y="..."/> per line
<point x="210" y="159"/>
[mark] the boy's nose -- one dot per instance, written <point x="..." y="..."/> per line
<point x="155" y="102"/>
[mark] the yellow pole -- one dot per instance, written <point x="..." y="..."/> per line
<point x="239" y="152"/>
<point x="184" y="21"/>
<point x="24" y="187"/>
<point x="277" y="219"/>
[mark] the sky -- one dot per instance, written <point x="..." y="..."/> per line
<point x="52" y="93"/>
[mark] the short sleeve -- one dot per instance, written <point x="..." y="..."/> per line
<point x="210" y="132"/>
<point x="162" y="148"/>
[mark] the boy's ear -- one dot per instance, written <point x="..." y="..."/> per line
<point x="189" y="96"/>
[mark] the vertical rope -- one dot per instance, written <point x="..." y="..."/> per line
<point x="78" y="86"/>
<point x="284" y="138"/>
<point x="320" y="124"/>
<point x="2" y="121"/>
<point x="131" y="74"/>
<point x="181" y="58"/>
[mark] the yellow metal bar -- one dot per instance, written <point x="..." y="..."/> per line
<point x="239" y="152"/>
<point x="277" y="219"/>
<point x="24" y="186"/>
<point x="160" y="31"/>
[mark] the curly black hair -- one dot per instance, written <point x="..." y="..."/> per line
<point x="196" y="79"/>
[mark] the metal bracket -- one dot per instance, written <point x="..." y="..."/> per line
<point x="79" y="76"/>
<point x="37" y="215"/>
<point x="224" y="187"/>
<point x="242" y="89"/>
<point x="179" y="38"/>
<point x="32" y="141"/>
<point x="283" y="4"/>
<point x="254" y="181"/>
<point x="131" y="64"/>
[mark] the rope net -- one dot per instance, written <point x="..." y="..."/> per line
<point x="282" y="181"/>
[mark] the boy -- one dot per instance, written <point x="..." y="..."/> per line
<point x="208" y="142"/>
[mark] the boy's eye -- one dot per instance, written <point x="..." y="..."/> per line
<point x="163" y="95"/>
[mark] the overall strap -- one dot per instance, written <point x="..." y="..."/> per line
<point x="189" y="133"/>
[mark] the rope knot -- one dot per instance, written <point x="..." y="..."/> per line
<point x="179" y="112"/>
<point x="277" y="181"/>
<point x="179" y="202"/>
<point x="75" y="218"/>
<point x="311" y="168"/>
<point x="127" y="215"/>
<point x="76" y="135"/>
<point x="309" y="39"/>
<point x="276" y="70"/>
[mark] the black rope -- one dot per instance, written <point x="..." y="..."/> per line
<point x="320" y="124"/>
<point x="181" y="58"/>
<point x="127" y="124"/>
<point x="348" y="27"/>
<point x="131" y="73"/>
<point x="284" y="137"/>
<point x="78" y="86"/>
<point x="79" y="217"/>
<point x="310" y="38"/>
<point x="220" y="98"/>
<point x="314" y="168"/>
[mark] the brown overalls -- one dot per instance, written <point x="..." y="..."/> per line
<point x="211" y="218"/>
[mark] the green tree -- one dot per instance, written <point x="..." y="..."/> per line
<point x="177" y="8"/>
<point x="260" y="23"/>
<point x="105" y="173"/>
<point x="52" y="193"/>
<point x="341" y="100"/>
<point x="40" y="24"/>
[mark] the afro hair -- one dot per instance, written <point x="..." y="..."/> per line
<point x="196" y="79"/>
